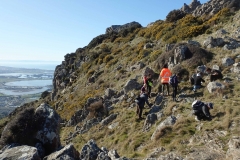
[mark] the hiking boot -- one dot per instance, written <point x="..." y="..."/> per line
<point x="197" y="119"/>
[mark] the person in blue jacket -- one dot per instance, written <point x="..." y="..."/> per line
<point x="141" y="100"/>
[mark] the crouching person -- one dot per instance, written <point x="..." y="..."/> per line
<point x="141" y="100"/>
<point x="201" y="110"/>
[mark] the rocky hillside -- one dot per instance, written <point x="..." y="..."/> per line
<point x="90" y="113"/>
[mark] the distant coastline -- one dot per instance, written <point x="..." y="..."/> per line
<point x="45" y="65"/>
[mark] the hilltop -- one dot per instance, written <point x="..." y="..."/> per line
<point x="90" y="113"/>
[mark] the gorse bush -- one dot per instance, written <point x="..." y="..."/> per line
<point x="222" y="16"/>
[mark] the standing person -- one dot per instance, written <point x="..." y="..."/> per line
<point x="191" y="79"/>
<point x="214" y="74"/>
<point x="143" y="89"/>
<point x="201" y="110"/>
<point x="174" y="83"/>
<point x="198" y="82"/>
<point x="148" y="83"/>
<point x="164" y="78"/>
<point x="141" y="102"/>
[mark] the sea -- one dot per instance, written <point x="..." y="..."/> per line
<point x="46" y="65"/>
<point x="45" y="82"/>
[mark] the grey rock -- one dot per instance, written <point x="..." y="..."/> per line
<point x="204" y="153"/>
<point x="233" y="151"/>
<point x="211" y="42"/>
<point x="214" y="86"/>
<point x="154" y="109"/>
<point x="110" y="92"/>
<point x="90" y="151"/>
<point x="49" y="133"/>
<point x="113" y="154"/>
<point x="169" y="121"/>
<point x="113" y="125"/>
<point x="119" y="28"/>
<point x="132" y="84"/>
<point x="236" y="67"/>
<point x="20" y="153"/>
<point x="150" y="120"/>
<point x="109" y="119"/>
<point x="66" y="153"/>
<point x="179" y="54"/>
<point x="227" y="61"/>
<point x="158" y="99"/>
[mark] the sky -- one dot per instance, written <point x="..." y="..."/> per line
<point x="46" y="30"/>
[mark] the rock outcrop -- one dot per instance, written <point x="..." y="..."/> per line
<point x="37" y="128"/>
<point x="119" y="28"/>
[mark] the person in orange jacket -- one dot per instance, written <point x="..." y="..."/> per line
<point x="164" y="76"/>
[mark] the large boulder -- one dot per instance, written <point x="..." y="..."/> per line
<point x="20" y="152"/>
<point x="90" y="151"/>
<point x="169" y="121"/>
<point x="66" y="153"/>
<point x="214" y="86"/>
<point x="32" y="127"/>
<point x="132" y="84"/>
<point x="48" y="134"/>
<point x="211" y="42"/>
<point x="179" y="53"/>
<point x="119" y="28"/>
<point x="150" y="120"/>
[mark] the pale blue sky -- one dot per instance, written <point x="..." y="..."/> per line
<point x="49" y="29"/>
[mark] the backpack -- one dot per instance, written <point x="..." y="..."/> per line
<point x="150" y="83"/>
<point x="196" y="104"/>
<point x="173" y="80"/>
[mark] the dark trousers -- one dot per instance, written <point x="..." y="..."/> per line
<point x="174" y="92"/>
<point x="163" y="86"/>
<point x="149" y="88"/>
<point x="139" y="111"/>
<point x="199" y="114"/>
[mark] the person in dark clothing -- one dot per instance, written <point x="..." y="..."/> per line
<point x="191" y="79"/>
<point x="148" y="82"/>
<point x="175" y="85"/>
<point x="198" y="82"/>
<point x="214" y="74"/>
<point x="141" y="102"/>
<point x="201" y="110"/>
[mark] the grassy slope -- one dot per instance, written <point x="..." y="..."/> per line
<point x="128" y="138"/>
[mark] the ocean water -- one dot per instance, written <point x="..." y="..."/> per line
<point x="46" y="65"/>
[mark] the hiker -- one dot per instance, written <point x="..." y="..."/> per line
<point x="141" y="102"/>
<point x="214" y="74"/>
<point x="164" y="78"/>
<point x="198" y="82"/>
<point x="174" y="80"/>
<point x="143" y="89"/>
<point x="191" y="79"/>
<point x="201" y="110"/>
<point x="149" y="83"/>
